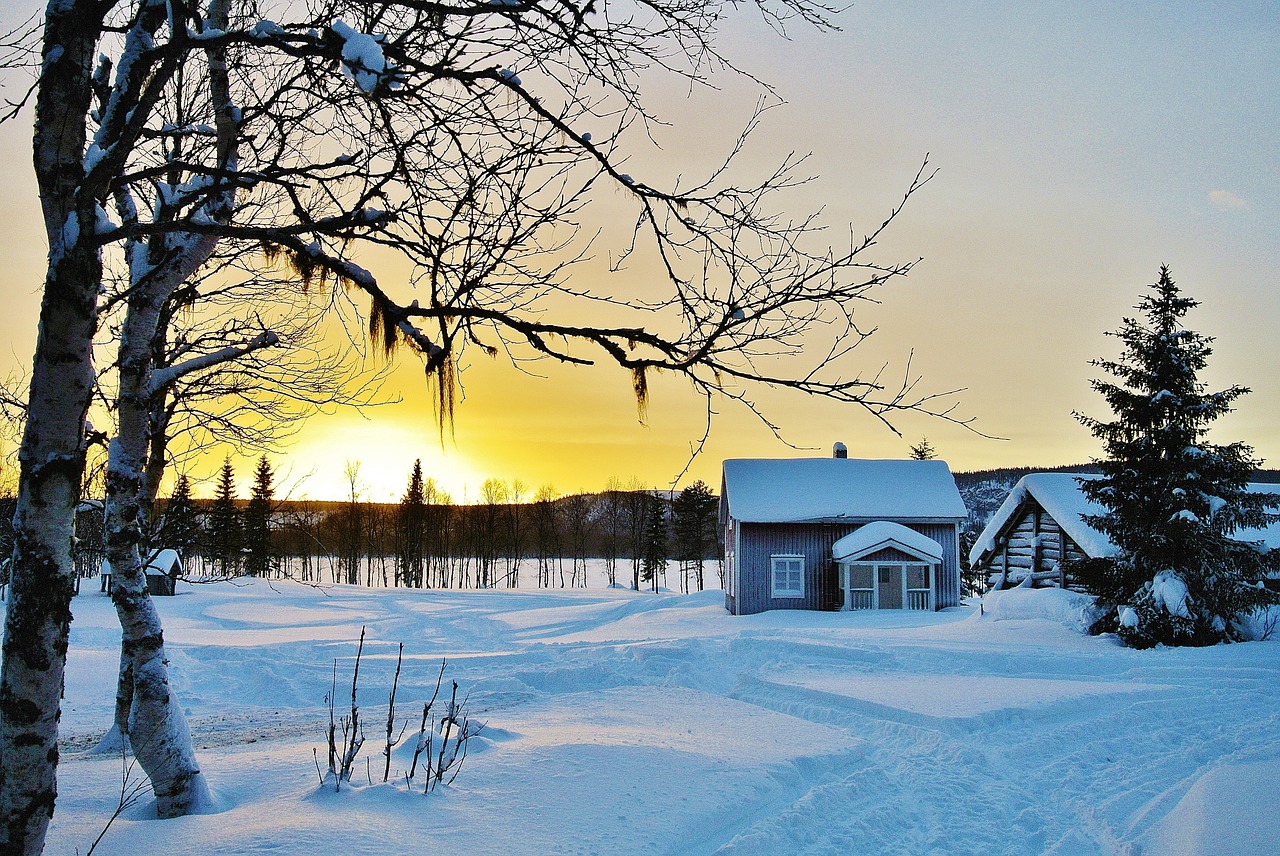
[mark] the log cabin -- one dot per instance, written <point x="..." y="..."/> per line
<point x="1039" y="530"/>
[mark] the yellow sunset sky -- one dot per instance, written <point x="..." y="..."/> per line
<point x="1079" y="147"/>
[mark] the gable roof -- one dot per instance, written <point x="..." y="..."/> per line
<point x="165" y="561"/>
<point x="811" y="490"/>
<point x="1060" y="495"/>
<point x="882" y="534"/>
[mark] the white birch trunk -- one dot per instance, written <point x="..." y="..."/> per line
<point x="156" y="728"/>
<point x="37" y="621"/>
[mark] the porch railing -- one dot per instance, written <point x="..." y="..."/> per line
<point x="919" y="599"/>
<point x="861" y="599"/>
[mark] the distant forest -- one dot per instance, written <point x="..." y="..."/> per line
<point x="646" y="539"/>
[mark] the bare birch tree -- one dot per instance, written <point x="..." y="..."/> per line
<point x="405" y="125"/>
<point x="580" y="520"/>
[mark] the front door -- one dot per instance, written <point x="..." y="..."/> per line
<point x="890" y="585"/>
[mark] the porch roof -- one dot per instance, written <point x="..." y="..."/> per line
<point x="883" y="534"/>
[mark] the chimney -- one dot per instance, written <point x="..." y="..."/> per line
<point x="839" y="450"/>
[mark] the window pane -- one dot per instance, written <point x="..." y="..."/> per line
<point x="917" y="576"/>
<point x="787" y="576"/>
<point x="861" y="578"/>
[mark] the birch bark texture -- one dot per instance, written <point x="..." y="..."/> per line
<point x="52" y="454"/>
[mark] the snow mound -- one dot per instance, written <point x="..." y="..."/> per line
<point x="1072" y="609"/>
<point x="1170" y="592"/>
<point x="1219" y="814"/>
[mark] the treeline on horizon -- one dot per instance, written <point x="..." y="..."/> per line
<point x="1012" y="474"/>
<point x="510" y="537"/>
<point x="646" y="538"/>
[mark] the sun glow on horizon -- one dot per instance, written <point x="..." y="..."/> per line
<point x="383" y="450"/>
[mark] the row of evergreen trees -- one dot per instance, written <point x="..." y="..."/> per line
<point x="230" y="538"/>
<point x="426" y="541"/>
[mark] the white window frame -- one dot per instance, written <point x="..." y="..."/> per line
<point x="786" y="564"/>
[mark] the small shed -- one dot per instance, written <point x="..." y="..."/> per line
<point x="840" y="533"/>
<point x="1039" y="529"/>
<point x="163" y="571"/>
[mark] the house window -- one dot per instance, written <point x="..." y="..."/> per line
<point x="861" y="578"/>
<point x="787" y="576"/>
<point x="917" y="577"/>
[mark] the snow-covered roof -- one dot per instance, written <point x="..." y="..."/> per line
<point x="881" y="534"/>
<point x="1060" y="495"/>
<point x="163" y="562"/>
<point x="802" y="490"/>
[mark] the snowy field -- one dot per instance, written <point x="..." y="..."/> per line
<point x="634" y="723"/>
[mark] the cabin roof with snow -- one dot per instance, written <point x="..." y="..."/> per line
<point x="166" y="561"/>
<point x="812" y="490"/>
<point x="1059" y="494"/>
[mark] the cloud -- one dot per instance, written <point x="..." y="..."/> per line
<point x="1225" y="200"/>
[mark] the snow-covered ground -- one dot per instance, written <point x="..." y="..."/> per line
<point x="631" y="723"/>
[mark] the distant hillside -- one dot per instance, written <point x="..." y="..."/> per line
<point x="1012" y="474"/>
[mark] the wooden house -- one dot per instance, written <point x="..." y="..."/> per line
<point x="1040" y="529"/>
<point x="840" y="533"/>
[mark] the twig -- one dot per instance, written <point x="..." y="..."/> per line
<point x="391" y="716"/>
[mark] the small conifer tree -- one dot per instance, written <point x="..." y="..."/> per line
<point x="224" y="523"/>
<point x="181" y="529"/>
<point x="694" y="522"/>
<point x="923" y="451"/>
<point x="258" y="556"/>
<point x="1173" y="498"/>
<point x="656" y="550"/>
<point x="410" y="524"/>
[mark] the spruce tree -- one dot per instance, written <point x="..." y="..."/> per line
<point x="181" y="529"/>
<point x="410" y="523"/>
<point x="258" y="555"/>
<point x="1173" y="498"/>
<point x="224" y="523"/>
<point x="656" y="550"/>
<point x="694" y="524"/>
<point x="923" y="451"/>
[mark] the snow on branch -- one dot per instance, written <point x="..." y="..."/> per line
<point x="161" y="379"/>
<point x="364" y="62"/>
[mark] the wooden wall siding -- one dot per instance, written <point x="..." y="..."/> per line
<point x="948" y="536"/>
<point x="1019" y="553"/>
<point x="760" y="541"/>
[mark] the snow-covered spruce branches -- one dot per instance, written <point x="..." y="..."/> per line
<point x="440" y="744"/>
